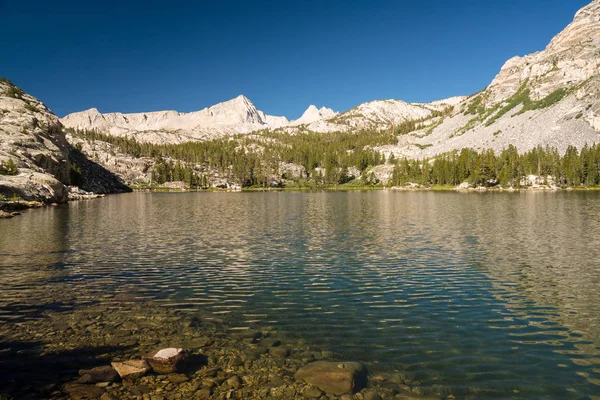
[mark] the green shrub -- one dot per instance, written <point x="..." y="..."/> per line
<point x="476" y="106"/>
<point x="546" y="102"/>
<point x="31" y="108"/>
<point x="15" y="92"/>
<point x="520" y="97"/>
<point x="8" y="168"/>
<point x="5" y="80"/>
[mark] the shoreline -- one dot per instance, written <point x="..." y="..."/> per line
<point x="377" y="188"/>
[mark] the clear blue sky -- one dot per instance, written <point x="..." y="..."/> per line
<point x="133" y="56"/>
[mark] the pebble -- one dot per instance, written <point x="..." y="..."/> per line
<point x="371" y="395"/>
<point x="312" y="392"/>
<point x="279" y="352"/>
<point x="234" y="382"/>
<point x="202" y="394"/>
<point x="178" y="378"/>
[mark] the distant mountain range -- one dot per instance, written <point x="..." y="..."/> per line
<point x="546" y="98"/>
<point x="239" y="116"/>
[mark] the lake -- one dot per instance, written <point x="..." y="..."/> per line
<point x="479" y="295"/>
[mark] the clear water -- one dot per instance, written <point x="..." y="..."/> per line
<point x="495" y="295"/>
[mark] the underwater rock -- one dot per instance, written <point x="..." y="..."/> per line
<point x="334" y="377"/>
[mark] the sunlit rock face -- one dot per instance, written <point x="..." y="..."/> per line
<point x="31" y="137"/>
<point x="235" y="116"/>
<point x="549" y="98"/>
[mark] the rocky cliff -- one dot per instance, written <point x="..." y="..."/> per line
<point x="40" y="160"/>
<point x="547" y="98"/>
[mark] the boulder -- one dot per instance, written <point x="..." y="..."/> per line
<point x="167" y="361"/>
<point x="270" y="342"/>
<point x="98" y="374"/>
<point x="234" y="382"/>
<point x="279" y="352"/>
<point x="334" y="377"/>
<point x="371" y="395"/>
<point x="78" y="391"/>
<point x="4" y="214"/>
<point x="131" y="369"/>
<point x="32" y="185"/>
<point x="178" y="378"/>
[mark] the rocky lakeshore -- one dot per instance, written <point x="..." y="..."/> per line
<point x="11" y="208"/>
<point x="59" y="349"/>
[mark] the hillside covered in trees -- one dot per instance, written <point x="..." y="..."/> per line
<point x="276" y="158"/>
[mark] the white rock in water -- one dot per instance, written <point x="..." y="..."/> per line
<point x="168" y="353"/>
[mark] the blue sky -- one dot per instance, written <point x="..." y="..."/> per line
<point x="133" y="56"/>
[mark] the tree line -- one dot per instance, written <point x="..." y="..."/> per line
<point x="252" y="160"/>
<point x="508" y="168"/>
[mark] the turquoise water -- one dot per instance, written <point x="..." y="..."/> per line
<point x="492" y="295"/>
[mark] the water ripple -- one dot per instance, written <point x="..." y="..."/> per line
<point x="492" y="296"/>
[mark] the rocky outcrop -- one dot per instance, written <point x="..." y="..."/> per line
<point x="570" y="58"/>
<point x="94" y="177"/>
<point x="32" y="139"/>
<point x="6" y="215"/>
<point x="33" y="185"/>
<point x="551" y="97"/>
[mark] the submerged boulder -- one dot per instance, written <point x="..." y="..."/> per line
<point x="334" y="377"/>
<point x="78" y="391"/>
<point x="98" y="374"/>
<point x="131" y="369"/>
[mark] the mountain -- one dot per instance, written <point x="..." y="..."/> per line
<point x="239" y="116"/>
<point x="547" y="98"/>
<point x="235" y="116"/>
<point x="379" y="114"/>
<point x="36" y="161"/>
<point x="313" y="114"/>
